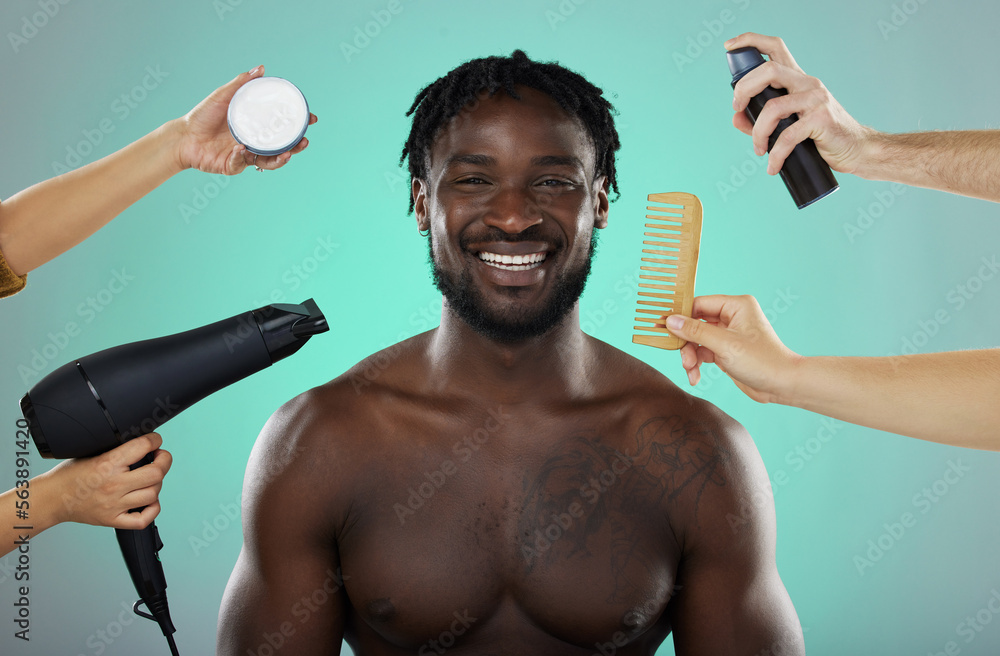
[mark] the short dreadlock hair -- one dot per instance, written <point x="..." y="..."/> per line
<point x="442" y="100"/>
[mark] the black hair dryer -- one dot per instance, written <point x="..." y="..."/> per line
<point x="806" y="174"/>
<point x="94" y="404"/>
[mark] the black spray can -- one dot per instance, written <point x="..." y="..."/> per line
<point x="806" y="174"/>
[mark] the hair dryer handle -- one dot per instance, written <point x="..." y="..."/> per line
<point x="140" y="549"/>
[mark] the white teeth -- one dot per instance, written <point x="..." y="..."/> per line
<point x="513" y="262"/>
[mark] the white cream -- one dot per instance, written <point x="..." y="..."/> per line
<point x="268" y="115"/>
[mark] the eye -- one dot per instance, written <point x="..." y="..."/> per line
<point x="471" y="181"/>
<point x="555" y="182"/>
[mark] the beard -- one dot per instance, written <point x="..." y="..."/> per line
<point x="520" y="323"/>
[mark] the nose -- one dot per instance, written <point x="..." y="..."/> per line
<point x="513" y="210"/>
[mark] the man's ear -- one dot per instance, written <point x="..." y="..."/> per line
<point x="602" y="205"/>
<point x="418" y="188"/>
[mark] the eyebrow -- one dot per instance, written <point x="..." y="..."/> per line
<point x="474" y="160"/>
<point x="557" y="160"/>
<point x="545" y="160"/>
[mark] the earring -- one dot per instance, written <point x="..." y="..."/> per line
<point x="424" y="233"/>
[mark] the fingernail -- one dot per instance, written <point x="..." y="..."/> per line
<point x="255" y="71"/>
<point x="728" y="43"/>
<point x="757" y="149"/>
<point x="675" y="321"/>
<point x="735" y="104"/>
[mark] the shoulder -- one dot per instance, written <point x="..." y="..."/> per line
<point x="322" y="439"/>
<point x="654" y="394"/>
<point x="707" y="462"/>
<point x="340" y="420"/>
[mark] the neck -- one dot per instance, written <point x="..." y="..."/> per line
<point x="550" y="367"/>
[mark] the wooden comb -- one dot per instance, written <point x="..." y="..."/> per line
<point x="666" y="285"/>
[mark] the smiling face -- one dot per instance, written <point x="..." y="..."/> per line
<point x="511" y="202"/>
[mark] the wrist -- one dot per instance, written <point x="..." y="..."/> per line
<point x="789" y="387"/>
<point x="48" y="508"/>
<point x="873" y="158"/>
<point x="170" y="138"/>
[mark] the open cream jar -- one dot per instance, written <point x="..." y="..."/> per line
<point x="268" y="115"/>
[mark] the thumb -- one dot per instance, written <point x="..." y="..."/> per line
<point x="711" y="337"/>
<point x="228" y="90"/>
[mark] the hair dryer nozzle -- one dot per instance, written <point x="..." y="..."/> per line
<point x="286" y="328"/>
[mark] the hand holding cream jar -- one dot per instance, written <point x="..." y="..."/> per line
<point x="268" y="115"/>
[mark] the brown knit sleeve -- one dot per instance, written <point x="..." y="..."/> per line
<point x="10" y="282"/>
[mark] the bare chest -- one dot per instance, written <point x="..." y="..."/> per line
<point x="553" y="531"/>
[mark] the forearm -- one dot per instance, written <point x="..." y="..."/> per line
<point x="51" y="217"/>
<point x="42" y="511"/>
<point x="951" y="398"/>
<point x="966" y="163"/>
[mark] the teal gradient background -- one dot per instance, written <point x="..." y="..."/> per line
<point x="827" y="293"/>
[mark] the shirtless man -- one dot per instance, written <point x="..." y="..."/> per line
<point x="507" y="484"/>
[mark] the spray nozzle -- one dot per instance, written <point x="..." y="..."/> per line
<point x="743" y="60"/>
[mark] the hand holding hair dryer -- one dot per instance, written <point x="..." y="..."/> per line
<point x="93" y="404"/>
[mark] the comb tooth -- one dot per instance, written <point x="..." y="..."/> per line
<point x="662" y="331"/>
<point x="671" y="241"/>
